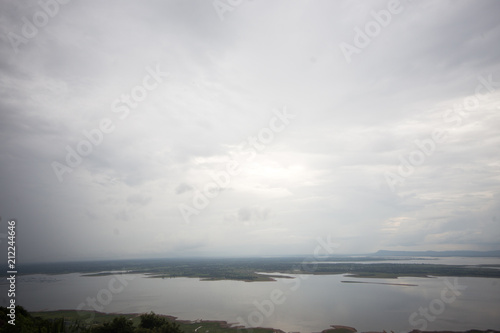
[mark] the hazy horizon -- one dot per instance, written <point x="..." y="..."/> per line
<point x="188" y="128"/>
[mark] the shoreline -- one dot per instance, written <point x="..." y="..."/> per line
<point x="236" y="327"/>
<point x="221" y="323"/>
<point x="384" y="283"/>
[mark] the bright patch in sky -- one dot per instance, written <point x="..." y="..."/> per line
<point x="182" y="128"/>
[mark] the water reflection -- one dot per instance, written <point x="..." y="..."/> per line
<point x="311" y="303"/>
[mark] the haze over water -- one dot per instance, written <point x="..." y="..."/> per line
<point x="311" y="302"/>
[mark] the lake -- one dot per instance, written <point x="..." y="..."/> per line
<point x="307" y="303"/>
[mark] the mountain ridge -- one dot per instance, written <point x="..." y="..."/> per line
<point x="459" y="253"/>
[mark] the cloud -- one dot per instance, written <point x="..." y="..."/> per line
<point x="253" y="213"/>
<point x="324" y="174"/>
<point x="138" y="199"/>
<point x="182" y="188"/>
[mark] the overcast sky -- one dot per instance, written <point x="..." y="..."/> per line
<point x="317" y="108"/>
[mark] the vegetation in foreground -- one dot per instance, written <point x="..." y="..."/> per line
<point x="71" y="321"/>
<point x="26" y="322"/>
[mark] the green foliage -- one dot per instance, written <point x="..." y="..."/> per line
<point x="118" y="325"/>
<point x="151" y="320"/>
<point x="156" y="323"/>
<point x="26" y="323"/>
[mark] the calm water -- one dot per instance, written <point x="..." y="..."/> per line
<point x="307" y="303"/>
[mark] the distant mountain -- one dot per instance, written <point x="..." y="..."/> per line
<point x="386" y="253"/>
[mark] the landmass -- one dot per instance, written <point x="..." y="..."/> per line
<point x="203" y="326"/>
<point x="390" y="284"/>
<point x="387" y="253"/>
<point x="248" y="269"/>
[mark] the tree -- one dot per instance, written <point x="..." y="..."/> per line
<point x="151" y="320"/>
<point x="158" y="324"/>
<point x="118" y="325"/>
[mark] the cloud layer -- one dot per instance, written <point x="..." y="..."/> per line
<point x="120" y="119"/>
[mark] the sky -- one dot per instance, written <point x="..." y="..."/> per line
<point x="138" y="129"/>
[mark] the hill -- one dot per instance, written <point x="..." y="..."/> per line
<point x="387" y="253"/>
